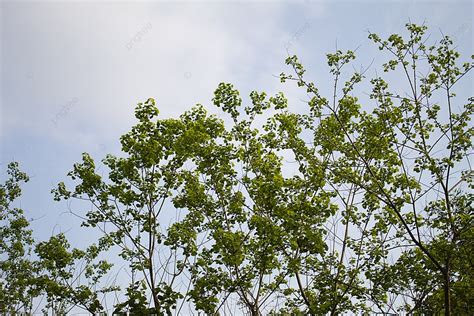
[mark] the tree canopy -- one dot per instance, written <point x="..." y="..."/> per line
<point x="350" y="204"/>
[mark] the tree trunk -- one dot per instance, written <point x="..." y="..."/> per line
<point x="447" y="294"/>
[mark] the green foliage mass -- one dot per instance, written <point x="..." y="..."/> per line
<point x="49" y="269"/>
<point x="351" y="204"/>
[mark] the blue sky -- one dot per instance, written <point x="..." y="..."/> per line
<point x="72" y="72"/>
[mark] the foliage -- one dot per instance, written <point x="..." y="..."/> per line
<point x="54" y="272"/>
<point x="16" y="242"/>
<point x="414" y="148"/>
<point x="133" y="203"/>
<point x="60" y="271"/>
<point x="351" y="204"/>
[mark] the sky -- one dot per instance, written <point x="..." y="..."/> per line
<point x="72" y="72"/>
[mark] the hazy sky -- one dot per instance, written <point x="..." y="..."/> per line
<point x="72" y="72"/>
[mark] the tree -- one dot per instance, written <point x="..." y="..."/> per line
<point x="16" y="242"/>
<point x="267" y="229"/>
<point x="29" y="270"/>
<point x="416" y="156"/>
<point x="61" y="276"/>
<point x="131" y="209"/>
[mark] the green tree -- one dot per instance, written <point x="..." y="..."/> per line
<point x="30" y="270"/>
<point x="415" y="149"/>
<point x="61" y="276"/>
<point x="16" y="243"/>
<point x="269" y="241"/>
<point x="133" y="208"/>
